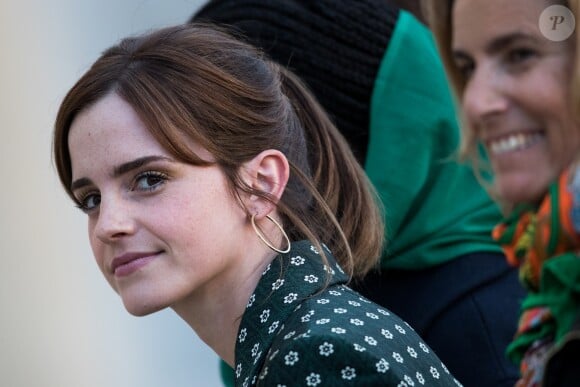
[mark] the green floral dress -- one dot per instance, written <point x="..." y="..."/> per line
<point x="304" y="327"/>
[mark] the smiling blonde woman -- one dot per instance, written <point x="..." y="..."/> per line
<point x="518" y="87"/>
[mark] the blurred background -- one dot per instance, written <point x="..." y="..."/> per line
<point x="60" y="323"/>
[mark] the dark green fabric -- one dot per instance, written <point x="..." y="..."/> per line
<point x="560" y="292"/>
<point x="304" y="327"/>
<point x="435" y="208"/>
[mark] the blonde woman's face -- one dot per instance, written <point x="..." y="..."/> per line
<point x="516" y="96"/>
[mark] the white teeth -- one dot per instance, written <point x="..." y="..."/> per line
<point x="514" y="142"/>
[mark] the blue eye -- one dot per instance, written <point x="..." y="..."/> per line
<point x="89" y="202"/>
<point x="149" y="181"/>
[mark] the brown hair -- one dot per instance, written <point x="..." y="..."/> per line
<point x="195" y="82"/>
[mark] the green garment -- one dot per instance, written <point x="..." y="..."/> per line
<point x="304" y="327"/>
<point x="560" y="292"/>
<point x="435" y="209"/>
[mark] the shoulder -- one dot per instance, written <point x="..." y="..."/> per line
<point x="338" y="337"/>
<point x="313" y="360"/>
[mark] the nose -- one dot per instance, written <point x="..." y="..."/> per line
<point x="114" y="220"/>
<point x="484" y="96"/>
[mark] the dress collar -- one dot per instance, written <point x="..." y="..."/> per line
<point x="286" y="281"/>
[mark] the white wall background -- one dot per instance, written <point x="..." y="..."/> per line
<point x="60" y="323"/>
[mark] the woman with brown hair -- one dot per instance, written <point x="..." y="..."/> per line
<point x="214" y="184"/>
<point x="514" y="68"/>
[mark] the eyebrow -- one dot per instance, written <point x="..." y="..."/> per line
<point x="122" y="169"/>
<point x="498" y="44"/>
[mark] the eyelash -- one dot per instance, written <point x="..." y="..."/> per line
<point x="519" y="55"/>
<point x="160" y="176"/>
<point x="465" y="70"/>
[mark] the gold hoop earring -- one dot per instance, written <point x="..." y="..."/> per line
<point x="263" y="237"/>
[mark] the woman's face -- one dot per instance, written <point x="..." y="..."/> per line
<point x="516" y="99"/>
<point x="160" y="230"/>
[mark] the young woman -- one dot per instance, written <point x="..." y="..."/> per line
<point x="214" y="184"/>
<point x="518" y="90"/>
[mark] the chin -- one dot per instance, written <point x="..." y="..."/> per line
<point x="140" y="309"/>
<point x="522" y="191"/>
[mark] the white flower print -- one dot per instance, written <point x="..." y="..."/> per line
<point x="400" y="329"/>
<point x="338" y="330"/>
<point x="424" y="347"/>
<point x="277" y="284"/>
<point x="372" y="316"/>
<point x="408" y="380"/>
<point x="289" y="335"/>
<point x="359" y="348"/>
<point x="280" y="385"/>
<point x="444" y="368"/>
<point x="340" y="310"/>
<point x="258" y="356"/>
<point x="354" y="303"/>
<point x="303" y="335"/>
<point x="255" y="349"/>
<point x="370" y="340"/>
<point x="457" y="383"/>
<point x="402" y="384"/>
<point x="364" y="300"/>
<point x="412" y="352"/>
<point x="242" y="335"/>
<point x="297" y="261"/>
<point x="434" y="372"/>
<point x="263" y="373"/>
<point x="387" y="333"/>
<point x="420" y="378"/>
<point x="382" y="366"/>
<point x="251" y="300"/>
<point x="238" y="370"/>
<point x="322" y="321"/>
<point x="273" y="355"/>
<point x="245" y="384"/>
<point x="267" y="269"/>
<point x="339" y="268"/>
<point x="326" y="349"/>
<point x="323" y="301"/>
<point x="398" y="358"/>
<point x="290" y="298"/>
<point x="311" y="279"/>
<point x="357" y="322"/>
<point x="348" y="373"/>
<point x="334" y="293"/>
<point x="273" y="327"/>
<point x="328" y="269"/>
<point x="305" y="318"/>
<point x="254" y="380"/>
<point x="313" y="379"/>
<point x="383" y="312"/>
<point x="265" y="315"/>
<point x="314" y="250"/>
<point x="291" y="358"/>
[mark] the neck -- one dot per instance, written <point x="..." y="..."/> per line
<point x="215" y="312"/>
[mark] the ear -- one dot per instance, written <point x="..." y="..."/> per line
<point x="267" y="172"/>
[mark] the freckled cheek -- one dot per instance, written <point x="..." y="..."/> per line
<point x="97" y="247"/>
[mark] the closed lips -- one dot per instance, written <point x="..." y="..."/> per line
<point x="130" y="257"/>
